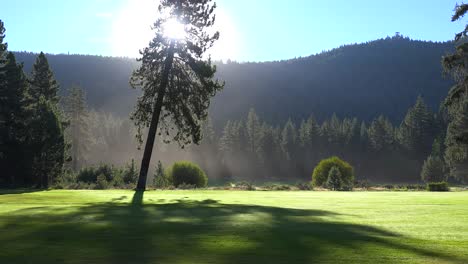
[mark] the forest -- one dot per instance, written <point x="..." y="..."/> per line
<point x="385" y="147"/>
<point x="245" y="137"/>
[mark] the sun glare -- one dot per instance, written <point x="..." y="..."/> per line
<point x="131" y="31"/>
<point x="173" y="29"/>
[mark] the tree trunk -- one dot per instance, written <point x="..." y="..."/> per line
<point x="145" y="162"/>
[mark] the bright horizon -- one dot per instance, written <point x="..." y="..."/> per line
<point x="265" y="31"/>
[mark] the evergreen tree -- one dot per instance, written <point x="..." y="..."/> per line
<point x="43" y="82"/>
<point x="3" y="46"/>
<point x="14" y="118"/>
<point x="288" y="140"/>
<point x="253" y="127"/>
<point x="456" y="153"/>
<point x="456" y="142"/>
<point x="78" y="129"/>
<point x="334" y="181"/>
<point x="363" y="136"/>
<point x="176" y="79"/>
<point x="226" y="142"/>
<point x="159" y="179"/>
<point x="47" y="142"/>
<point x="418" y="129"/>
<point x="130" y="175"/>
<point x="381" y="134"/>
<point x="433" y="169"/>
<point x="3" y="54"/>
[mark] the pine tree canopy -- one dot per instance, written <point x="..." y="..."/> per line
<point x="190" y="76"/>
<point x="42" y="81"/>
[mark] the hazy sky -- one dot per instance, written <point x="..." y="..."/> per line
<point x="251" y="30"/>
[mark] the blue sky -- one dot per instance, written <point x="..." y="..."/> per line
<point x="251" y="30"/>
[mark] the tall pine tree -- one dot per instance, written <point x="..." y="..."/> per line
<point x="456" y="154"/>
<point x="78" y="129"/>
<point x="14" y="117"/>
<point x="418" y="129"/>
<point x="176" y="79"/>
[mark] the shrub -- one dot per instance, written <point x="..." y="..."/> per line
<point x="184" y="186"/>
<point x="414" y="187"/>
<point x="90" y="174"/>
<point x="433" y="170"/>
<point x="321" y="172"/>
<point x="334" y="179"/>
<point x="304" y="186"/>
<point x="243" y="185"/>
<point x="277" y="187"/>
<point x="364" y="184"/>
<point x="438" y="187"/>
<point x="101" y="182"/>
<point x="188" y="173"/>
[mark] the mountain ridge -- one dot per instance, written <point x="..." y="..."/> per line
<point x="385" y="75"/>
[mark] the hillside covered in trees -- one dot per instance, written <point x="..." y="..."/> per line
<point x="385" y="75"/>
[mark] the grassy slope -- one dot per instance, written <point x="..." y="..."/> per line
<point x="233" y="227"/>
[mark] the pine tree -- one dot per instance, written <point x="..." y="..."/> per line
<point x="226" y="142"/>
<point x="14" y="118"/>
<point x="47" y="126"/>
<point x="336" y="130"/>
<point x="456" y="142"/>
<point x="159" y="179"/>
<point x="3" y="54"/>
<point x="418" y="129"/>
<point x="3" y="46"/>
<point x="433" y="169"/>
<point x="381" y="134"/>
<point x="334" y="181"/>
<point x="253" y="131"/>
<point x="456" y="153"/>
<point x="288" y="140"/>
<point x="175" y="78"/>
<point x="78" y="129"/>
<point x="363" y="137"/>
<point x="131" y="174"/>
<point x="47" y="142"/>
<point x="43" y="82"/>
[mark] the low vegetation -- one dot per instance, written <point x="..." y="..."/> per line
<point x="438" y="187"/>
<point x="187" y="173"/>
<point x="335" y="173"/>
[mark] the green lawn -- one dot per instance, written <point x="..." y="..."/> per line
<point x="233" y="227"/>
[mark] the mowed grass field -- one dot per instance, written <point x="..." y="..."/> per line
<point x="116" y="226"/>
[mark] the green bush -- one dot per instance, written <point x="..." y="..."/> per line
<point x="101" y="183"/>
<point x="90" y="174"/>
<point x="187" y="173"/>
<point x="320" y="174"/>
<point x="437" y="187"/>
<point x="304" y="186"/>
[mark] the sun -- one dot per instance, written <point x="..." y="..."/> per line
<point x="131" y="31"/>
<point x="173" y="29"/>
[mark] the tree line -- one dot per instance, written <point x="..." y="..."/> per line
<point x="32" y="141"/>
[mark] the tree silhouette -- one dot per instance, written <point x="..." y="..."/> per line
<point x="176" y="79"/>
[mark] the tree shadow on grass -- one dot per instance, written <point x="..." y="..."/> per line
<point x="191" y="231"/>
<point x="20" y="190"/>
